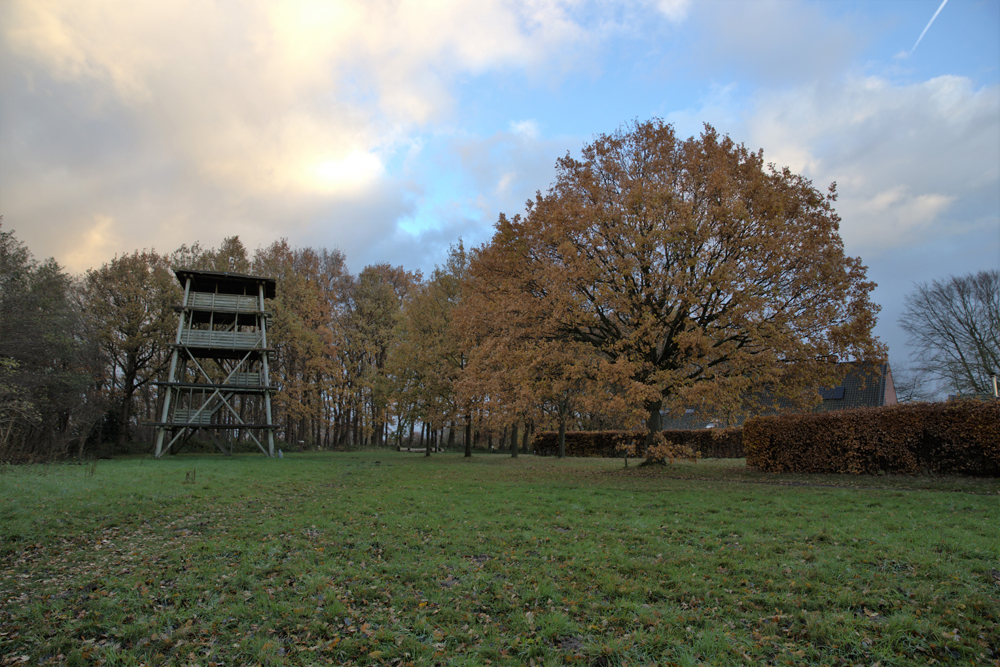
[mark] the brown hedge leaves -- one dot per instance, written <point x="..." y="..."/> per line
<point x="960" y="437"/>
<point x="706" y="443"/>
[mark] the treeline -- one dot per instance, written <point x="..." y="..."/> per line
<point x="657" y="273"/>
<point x="381" y="358"/>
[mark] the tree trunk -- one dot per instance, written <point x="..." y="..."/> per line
<point x="378" y="430"/>
<point x="652" y="423"/>
<point x="128" y="388"/>
<point x="468" y="436"/>
<point x="513" y="441"/>
<point x="562" y="438"/>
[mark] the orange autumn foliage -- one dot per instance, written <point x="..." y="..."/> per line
<point x="683" y="272"/>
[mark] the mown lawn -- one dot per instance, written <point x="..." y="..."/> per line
<point x="389" y="558"/>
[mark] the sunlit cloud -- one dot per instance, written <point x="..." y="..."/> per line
<point x="250" y="91"/>
<point x="239" y="110"/>
<point x="93" y="243"/>
<point x="352" y="172"/>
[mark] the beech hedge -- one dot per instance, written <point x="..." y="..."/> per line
<point x="961" y="437"/>
<point x="711" y="443"/>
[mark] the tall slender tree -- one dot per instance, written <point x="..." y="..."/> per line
<point x="130" y="302"/>
<point x="369" y="326"/>
<point x="431" y="353"/>
<point x="312" y="287"/>
<point x="49" y="362"/>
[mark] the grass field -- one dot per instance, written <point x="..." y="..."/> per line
<point x="389" y="558"/>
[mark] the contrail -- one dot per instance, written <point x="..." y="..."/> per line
<point x="943" y="3"/>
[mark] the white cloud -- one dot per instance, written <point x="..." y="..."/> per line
<point x="904" y="156"/>
<point x="896" y="215"/>
<point x="221" y="109"/>
<point x="503" y="186"/>
<point x="916" y="165"/>
<point x="525" y="128"/>
<point x="674" y="10"/>
<point x="130" y="125"/>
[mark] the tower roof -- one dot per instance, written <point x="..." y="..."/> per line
<point x="226" y="283"/>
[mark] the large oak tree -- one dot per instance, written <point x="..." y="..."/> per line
<point x="707" y="274"/>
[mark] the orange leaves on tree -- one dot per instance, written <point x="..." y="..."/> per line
<point x="686" y="272"/>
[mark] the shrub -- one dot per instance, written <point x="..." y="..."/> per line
<point x="662" y="451"/>
<point x="711" y="443"/>
<point x="957" y="437"/>
<point x="708" y="443"/>
<point x="586" y="443"/>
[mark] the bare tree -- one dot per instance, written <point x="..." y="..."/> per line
<point x="954" y="326"/>
<point x="912" y="385"/>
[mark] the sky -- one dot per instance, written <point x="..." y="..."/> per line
<point x="391" y="129"/>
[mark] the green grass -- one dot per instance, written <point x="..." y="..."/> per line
<point x="388" y="558"/>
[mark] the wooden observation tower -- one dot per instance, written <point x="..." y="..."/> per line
<point x="220" y="354"/>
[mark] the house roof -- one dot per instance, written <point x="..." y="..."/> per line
<point x="864" y="385"/>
